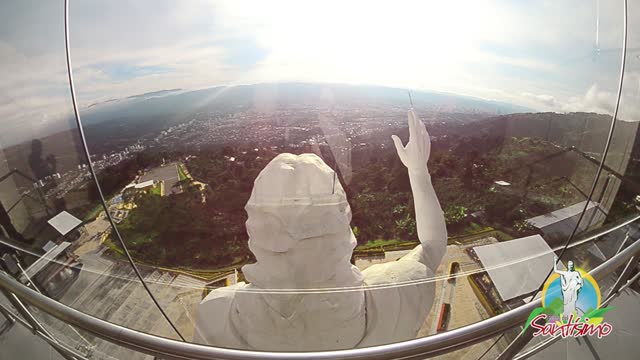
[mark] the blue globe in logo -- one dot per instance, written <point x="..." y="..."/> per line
<point x="588" y="297"/>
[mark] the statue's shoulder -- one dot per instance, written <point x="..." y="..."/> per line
<point x="400" y="298"/>
<point x="219" y="301"/>
<point x="409" y="267"/>
<point x="213" y="324"/>
<point x="223" y="294"/>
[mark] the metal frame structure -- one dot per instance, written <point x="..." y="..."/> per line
<point x="87" y="154"/>
<point x="412" y="349"/>
<point x="20" y="295"/>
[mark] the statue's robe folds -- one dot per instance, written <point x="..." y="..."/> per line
<point x="391" y="306"/>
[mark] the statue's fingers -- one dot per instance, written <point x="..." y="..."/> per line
<point x="398" y="143"/>
<point x="423" y="127"/>
<point x="413" y="126"/>
<point x="420" y="127"/>
<point x="427" y="144"/>
<point x="399" y="148"/>
<point x="421" y="135"/>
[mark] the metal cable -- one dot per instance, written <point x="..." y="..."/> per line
<point x="607" y="145"/>
<point x="419" y="348"/>
<point x="46" y="337"/>
<point x="594" y="237"/>
<point x="600" y="167"/>
<point x="93" y="173"/>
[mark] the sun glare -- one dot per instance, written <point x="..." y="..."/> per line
<point x="405" y="43"/>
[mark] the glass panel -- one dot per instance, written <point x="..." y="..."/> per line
<point x="525" y="178"/>
<point x="90" y="346"/>
<point x="51" y="224"/>
<point x="79" y="341"/>
<point x="17" y="341"/>
<point x="621" y="343"/>
<point x="488" y="349"/>
<point x="621" y="193"/>
<point x="623" y="155"/>
<point x="182" y="119"/>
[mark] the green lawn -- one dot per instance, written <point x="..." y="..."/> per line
<point x="376" y="244"/>
<point x="181" y="173"/>
<point x="156" y="189"/>
<point x="93" y="213"/>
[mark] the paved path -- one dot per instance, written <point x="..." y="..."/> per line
<point x="389" y="256"/>
<point x="465" y="307"/>
<point x="109" y="289"/>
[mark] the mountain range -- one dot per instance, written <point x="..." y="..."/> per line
<point x="175" y="103"/>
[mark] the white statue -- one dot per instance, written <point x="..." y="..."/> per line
<point x="571" y="282"/>
<point x="304" y="294"/>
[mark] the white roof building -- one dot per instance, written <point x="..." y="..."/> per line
<point x="145" y="184"/>
<point x="518" y="266"/>
<point x="64" y="222"/>
<point x="560" y="223"/>
<point x="45" y="259"/>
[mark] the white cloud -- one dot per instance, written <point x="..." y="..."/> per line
<point x="537" y="54"/>
<point x="544" y="100"/>
<point x="596" y="100"/>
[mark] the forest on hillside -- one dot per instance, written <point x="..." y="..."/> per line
<point x="180" y="230"/>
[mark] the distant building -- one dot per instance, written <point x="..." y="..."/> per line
<point x="559" y="224"/>
<point x="130" y="190"/>
<point x="54" y="272"/>
<point x="145" y="184"/>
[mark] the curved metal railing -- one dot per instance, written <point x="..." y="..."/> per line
<point x="417" y="348"/>
<point x="412" y="349"/>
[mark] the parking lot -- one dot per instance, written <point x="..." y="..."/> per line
<point x="168" y="174"/>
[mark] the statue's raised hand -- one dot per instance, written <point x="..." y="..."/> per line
<point x="430" y="223"/>
<point x="415" y="155"/>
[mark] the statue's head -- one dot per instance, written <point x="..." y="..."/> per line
<point x="570" y="265"/>
<point x="300" y="234"/>
<point x="298" y="224"/>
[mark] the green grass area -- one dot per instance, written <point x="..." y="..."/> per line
<point x="192" y="235"/>
<point x="472" y="232"/>
<point x="113" y="247"/>
<point x="156" y="190"/>
<point x="385" y="244"/>
<point x="93" y="213"/>
<point x="488" y="232"/>
<point x="181" y="173"/>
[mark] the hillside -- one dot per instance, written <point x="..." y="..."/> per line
<point x="265" y="96"/>
<point x="585" y="131"/>
<point x="179" y="230"/>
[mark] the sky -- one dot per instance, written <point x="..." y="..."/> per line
<point x="539" y="54"/>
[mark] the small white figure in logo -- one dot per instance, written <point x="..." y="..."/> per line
<point x="572" y="283"/>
